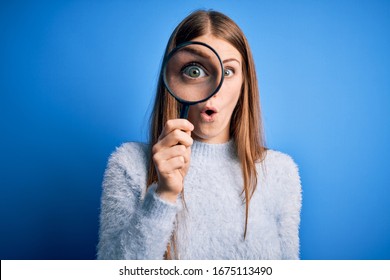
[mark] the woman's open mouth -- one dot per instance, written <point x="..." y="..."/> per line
<point x="208" y="114"/>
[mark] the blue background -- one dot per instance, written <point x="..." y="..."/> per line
<point x="77" y="79"/>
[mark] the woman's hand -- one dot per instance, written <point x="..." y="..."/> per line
<point x="171" y="157"/>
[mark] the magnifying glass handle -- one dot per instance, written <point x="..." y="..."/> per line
<point x="184" y="111"/>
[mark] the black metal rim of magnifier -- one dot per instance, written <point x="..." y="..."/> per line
<point x="172" y="52"/>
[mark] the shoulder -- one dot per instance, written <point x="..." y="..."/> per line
<point x="130" y="160"/>
<point x="129" y="153"/>
<point x="280" y="162"/>
<point x="280" y="173"/>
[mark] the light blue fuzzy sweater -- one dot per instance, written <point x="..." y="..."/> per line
<point x="137" y="224"/>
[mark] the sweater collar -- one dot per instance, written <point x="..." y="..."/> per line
<point x="225" y="150"/>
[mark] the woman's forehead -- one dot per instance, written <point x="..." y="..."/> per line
<point x="224" y="49"/>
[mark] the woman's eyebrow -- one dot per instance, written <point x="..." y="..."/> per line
<point x="197" y="52"/>
<point x="232" y="59"/>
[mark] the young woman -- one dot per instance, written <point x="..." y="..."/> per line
<point x="206" y="187"/>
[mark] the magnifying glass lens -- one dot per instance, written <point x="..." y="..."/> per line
<point x="193" y="73"/>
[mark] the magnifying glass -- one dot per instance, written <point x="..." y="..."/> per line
<point x="192" y="73"/>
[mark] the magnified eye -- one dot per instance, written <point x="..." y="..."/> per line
<point x="194" y="71"/>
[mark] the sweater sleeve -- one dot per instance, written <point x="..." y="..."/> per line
<point x="288" y="217"/>
<point x="133" y="225"/>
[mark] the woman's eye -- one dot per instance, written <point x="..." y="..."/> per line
<point x="228" y="72"/>
<point x="194" y="71"/>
